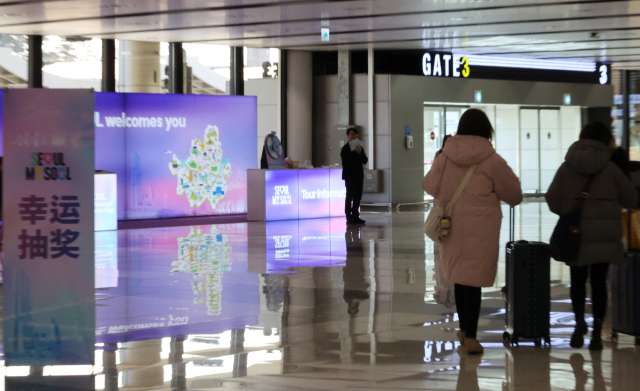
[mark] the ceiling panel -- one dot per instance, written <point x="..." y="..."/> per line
<point x="306" y="33"/>
<point x="589" y="30"/>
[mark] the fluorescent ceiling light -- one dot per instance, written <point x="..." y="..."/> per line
<point x="17" y="371"/>
<point x="530" y="63"/>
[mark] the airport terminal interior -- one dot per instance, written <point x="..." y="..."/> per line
<point x="173" y="193"/>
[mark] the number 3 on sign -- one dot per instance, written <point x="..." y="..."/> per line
<point x="604" y="77"/>
<point x="465" y="67"/>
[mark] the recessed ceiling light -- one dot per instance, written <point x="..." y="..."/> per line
<point x="459" y="18"/>
<point x="12" y="15"/>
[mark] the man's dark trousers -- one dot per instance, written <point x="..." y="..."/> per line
<point x="352" y="202"/>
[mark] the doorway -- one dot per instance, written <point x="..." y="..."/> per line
<point x="540" y="148"/>
<point x="439" y="121"/>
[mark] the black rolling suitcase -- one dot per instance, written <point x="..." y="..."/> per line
<point x="528" y="290"/>
<point x="625" y="293"/>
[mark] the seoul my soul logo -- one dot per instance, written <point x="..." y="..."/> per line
<point x="48" y="166"/>
<point x="281" y="196"/>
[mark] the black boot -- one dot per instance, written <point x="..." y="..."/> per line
<point x="596" y="335"/>
<point x="577" y="339"/>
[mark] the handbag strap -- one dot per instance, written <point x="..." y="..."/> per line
<point x="461" y="187"/>
<point x="585" y="191"/>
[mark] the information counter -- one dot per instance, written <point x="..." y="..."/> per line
<point x="295" y="194"/>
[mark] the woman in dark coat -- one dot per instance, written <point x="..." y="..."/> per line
<point x="601" y="242"/>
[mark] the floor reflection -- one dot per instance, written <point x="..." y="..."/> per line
<point x="314" y="304"/>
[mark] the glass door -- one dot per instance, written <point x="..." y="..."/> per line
<point x="439" y="121"/>
<point x="452" y="115"/>
<point x="433" y="134"/>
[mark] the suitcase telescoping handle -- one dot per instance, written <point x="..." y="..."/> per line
<point x="512" y="224"/>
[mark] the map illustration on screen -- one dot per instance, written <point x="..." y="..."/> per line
<point x="203" y="175"/>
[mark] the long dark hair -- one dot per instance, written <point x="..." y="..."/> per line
<point x="597" y="131"/>
<point x="475" y="122"/>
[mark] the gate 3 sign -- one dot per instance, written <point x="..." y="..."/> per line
<point x="445" y="64"/>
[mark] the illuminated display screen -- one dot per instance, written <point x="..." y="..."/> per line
<point x="303" y="194"/>
<point x="176" y="155"/>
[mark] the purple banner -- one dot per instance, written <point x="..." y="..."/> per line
<point x="48" y="292"/>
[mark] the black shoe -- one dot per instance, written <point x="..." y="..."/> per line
<point x="577" y="339"/>
<point x="358" y="221"/>
<point x="596" y="336"/>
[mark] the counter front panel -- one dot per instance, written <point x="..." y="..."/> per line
<point x="296" y="194"/>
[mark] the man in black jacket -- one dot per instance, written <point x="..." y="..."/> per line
<point x="353" y="175"/>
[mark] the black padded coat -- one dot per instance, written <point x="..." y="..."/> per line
<point x="601" y="216"/>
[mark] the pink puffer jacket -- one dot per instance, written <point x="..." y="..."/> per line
<point x="469" y="254"/>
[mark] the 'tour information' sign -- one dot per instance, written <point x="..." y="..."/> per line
<point x="49" y="313"/>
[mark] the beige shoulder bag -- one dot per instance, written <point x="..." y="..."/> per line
<point x="438" y="223"/>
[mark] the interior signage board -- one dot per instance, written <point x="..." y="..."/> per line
<point x="177" y="155"/>
<point x="431" y="63"/>
<point x="49" y="298"/>
<point x="445" y="64"/>
<point x="304" y="194"/>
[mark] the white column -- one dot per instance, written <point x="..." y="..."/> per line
<point x="143" y="359"/>
<point x="139" y="64"/>
<point x="299" y="105"/>
<point x="371" y="104"/>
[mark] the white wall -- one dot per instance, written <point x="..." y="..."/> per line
<point x="507" y="130"/>
<point x="571" y="124"/>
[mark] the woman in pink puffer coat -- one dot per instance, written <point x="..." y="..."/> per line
<point x="469" y="254"/>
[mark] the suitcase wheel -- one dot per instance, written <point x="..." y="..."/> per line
<point x="506" y="336"/>
<point x="514" y="341"/>
<point x="537" y="342"/>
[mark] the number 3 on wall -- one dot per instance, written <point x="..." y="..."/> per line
<point x="604" y="77"/>
<point x="465" y="67"/>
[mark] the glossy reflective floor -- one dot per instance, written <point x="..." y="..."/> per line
<point x="265" y="307"/>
